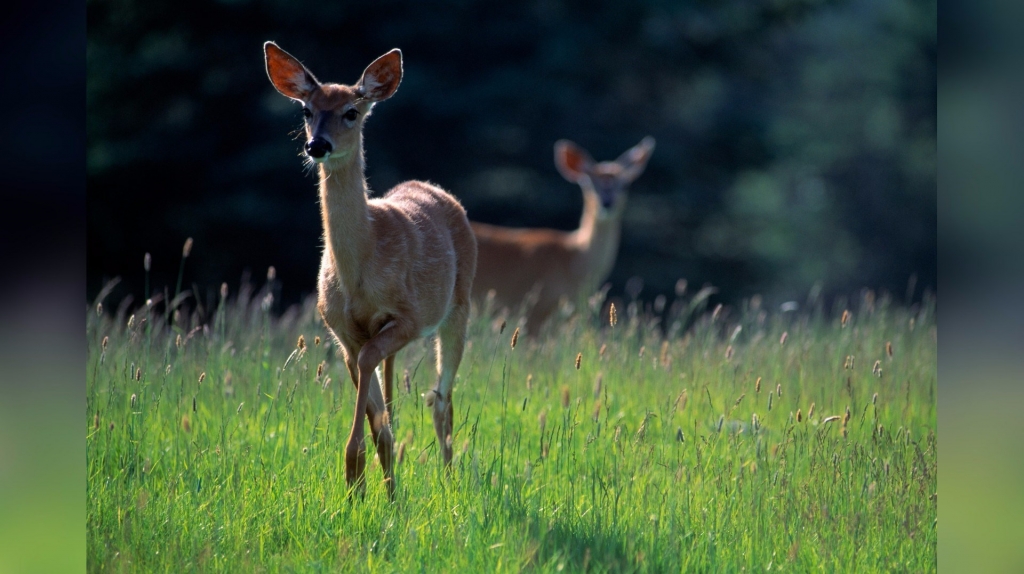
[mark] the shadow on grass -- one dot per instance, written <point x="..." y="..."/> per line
<point x="575" y="547"/>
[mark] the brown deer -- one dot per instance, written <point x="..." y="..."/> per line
<point x="394" y="269"/>
<point x="543" y="266"/>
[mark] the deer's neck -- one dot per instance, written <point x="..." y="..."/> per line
<point x="347" y="226"/>
<point x="598" y="239"/>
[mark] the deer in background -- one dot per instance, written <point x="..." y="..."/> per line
<point x="544" y="266"/>
<point x="394" y="269"/>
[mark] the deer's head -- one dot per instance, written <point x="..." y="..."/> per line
<point x="334" y="113"/>
<point x="608" y="181"/>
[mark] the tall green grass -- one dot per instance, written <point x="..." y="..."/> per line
<point x="659" y="467"/>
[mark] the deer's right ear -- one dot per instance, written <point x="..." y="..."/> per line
<point x="287" y="74"/>
<point x="572" y="161"/>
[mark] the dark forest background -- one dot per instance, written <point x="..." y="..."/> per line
<point x="795" y="138"/>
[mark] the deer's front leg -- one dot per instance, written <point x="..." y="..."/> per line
<point x="370" y="402"/>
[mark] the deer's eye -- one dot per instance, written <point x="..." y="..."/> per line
<point x="307" y="113"/>
<point x="351" y="115"/>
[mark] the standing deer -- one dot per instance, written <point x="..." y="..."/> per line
<point x="547" y="265"/>
<point x="394" y="269"/>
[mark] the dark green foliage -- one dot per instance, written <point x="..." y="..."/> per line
<point x="796" y="139"/>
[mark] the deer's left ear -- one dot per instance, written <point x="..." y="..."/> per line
<point x="634" y="160"/>
<point x="381" y="78"/>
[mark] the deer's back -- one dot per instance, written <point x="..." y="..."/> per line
<point x="422" y="228"/>
<point x="512" y="261"/>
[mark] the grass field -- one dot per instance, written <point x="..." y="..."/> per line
<point x="737" y="440"/>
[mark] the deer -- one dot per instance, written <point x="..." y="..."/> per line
<point x="394" y="269"/>
<point x="521" y="266"/>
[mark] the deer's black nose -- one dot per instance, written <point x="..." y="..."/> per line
<point x="318" y="147"/>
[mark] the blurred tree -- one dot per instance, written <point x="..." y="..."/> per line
<point x="796" y="138"/>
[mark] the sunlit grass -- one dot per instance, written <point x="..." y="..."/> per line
<point x="676" y="460"/>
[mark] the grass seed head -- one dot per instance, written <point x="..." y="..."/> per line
<point x="579" y="359"/>
<point x="597" y="385"/>
<point x="177" y="341"/>
<point x="782" y="339"/>
<point x="681" y="401"/>
<point x="223" y="290"/>
<point x="316" y="341"/>
<point x="134" y="400"/>
<point x="830" y="419"/>
<point x="770" y="395"/>
<point x="502" y="328"/>
<point x="757" y="385"/>
<point x="305" y="450"/>
<point x="186" y="250"/>
<point x="301" y="344"/>
<point x="147" y="262"/>
<point x="739" y="400"/>
<point x="186" y="424"/>
<point x="202" y="377"/>
<point x="138" y="374"/>
<point x="728" y="353"/>
<point x="810" y="411"/>
<point x="721" y="421"/>
<point x="529" y="381"/>
<point x="103" y="345"/>
<point x="874" y="398"/>
<point x="778" y="390"/>
<point x="716" y="313"/>
<point x="877" y="369"/>
<point x="99" y="309"/>
<point x="515" y="337"/>
<point x="845" y="318"/>
<point x="846" y="416"/>
<point x="663" y="357"/>
<point x="401" y="452"/>
<point x="131" y="321"/>
<point x="643" y="349"/>
<point x="193" y="404"/>
<point x="601" y="352"/>
<point x="848" y="365"/>
<point x="542" y="420"/>
<point x="271" y="273"/>
<point x="565" y="396"/>
<point x="799" y="416"/>
<point x="613" y="315"/>
<point x="888" y="348"/>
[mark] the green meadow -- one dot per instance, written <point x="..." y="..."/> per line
<point x="694" y="439"/>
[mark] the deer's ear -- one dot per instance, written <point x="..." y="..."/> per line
<point x="572" y="161"/>
<point x="287" y="74"/>
<point x="381" y="78"/>
<point x="634" y="160"/>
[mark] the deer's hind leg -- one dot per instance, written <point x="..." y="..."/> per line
<point x="451" y="342"/>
